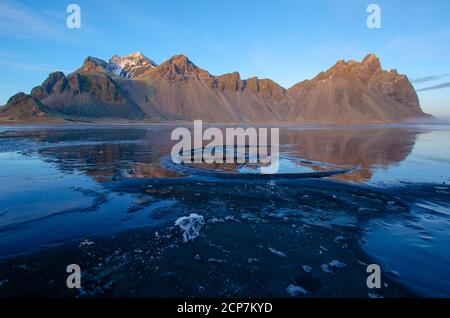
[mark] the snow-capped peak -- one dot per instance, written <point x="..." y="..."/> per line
<point x="131" y="65"/>
<point x="136" y="55"/>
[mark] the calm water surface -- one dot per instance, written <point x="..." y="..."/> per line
<point x="60" y="183"/>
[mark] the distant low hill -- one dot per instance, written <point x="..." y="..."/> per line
<point x="133" y="88"/>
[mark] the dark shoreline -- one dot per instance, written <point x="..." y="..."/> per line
<point x="237" y="254"/>
<point x="42" y="273"/>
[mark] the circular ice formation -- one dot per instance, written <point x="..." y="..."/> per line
<point x="289" y="167"/>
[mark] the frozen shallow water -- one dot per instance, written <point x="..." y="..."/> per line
<point x="59" y="184"/>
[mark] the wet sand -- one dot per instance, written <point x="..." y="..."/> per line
<point x="229" y="259"/>
<point x="245" y="246"/>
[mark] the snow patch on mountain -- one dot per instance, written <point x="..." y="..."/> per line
<point x="132" y="65"/>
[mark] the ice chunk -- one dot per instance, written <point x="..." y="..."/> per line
<point x="328" y="268"/>
<point x="215" y="220"/>
<point x="295" y="290"/>
<point x="336" y="264"/>
<point x="216" y="260"/>
<point x="307" y="268"/>
<point x="277" y="253"/>
<point x="85" y="243"/>
<point x="3" y="282"/>
<point x="190" y="226"/>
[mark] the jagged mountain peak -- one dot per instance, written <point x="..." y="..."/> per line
<point x="179" y="59"/>
<point x="24" y="108"/>
<point x="136" y="55"/>
<point x="372" y="63"/>
<point x="182" y="63"/>
<point x="362" y="70"/>
<point x="95" y="65"/>
<point x="128" y="66"/>
<point x="361" y="89"/>
<point x="370" y="59"/>
<point x="180" y="67"/>
<point x="132" y="65"/>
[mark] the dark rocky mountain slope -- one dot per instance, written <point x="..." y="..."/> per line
<point x="134" y="88"/>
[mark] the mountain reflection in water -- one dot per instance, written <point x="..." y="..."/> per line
<point x="62" y="183"/>
<point x="118" y="152"/>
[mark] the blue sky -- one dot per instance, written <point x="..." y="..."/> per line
<point x="285" y="40"/>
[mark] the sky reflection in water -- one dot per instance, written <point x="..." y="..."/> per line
<point x="53" y="187"/>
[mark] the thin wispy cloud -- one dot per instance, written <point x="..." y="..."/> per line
<point x="131" y="17"/>
<point x="440" y="86"/>
<point x="54" y="14"/>
<point x="430" y="78"/>
<point x="24" y="22"/>
<point x="18" y="20"/>
<point x="427" y="45"/>
<point x="27" y="66"/>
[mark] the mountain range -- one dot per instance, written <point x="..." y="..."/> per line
<point x="134" y="88"/>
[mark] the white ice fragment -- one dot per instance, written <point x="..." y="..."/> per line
<point x="277" y="253"/>
<point x="336" y="264"/>
<point x="231" y="218"/>
<point x="361" y="263"/>
<point x="295" y="290"/>
<point x="190" y="226"/>
<point x="326" y="269"/>
<point x="4" y="282"/>
<point x="215" y="220"/>
<point x="85" y="243"/>
<point x="216" y="260"/>
<point x="307" y="268"/>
